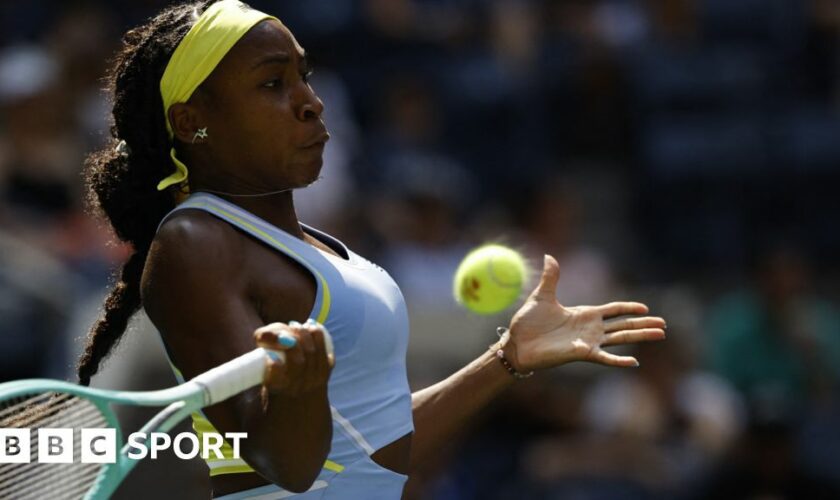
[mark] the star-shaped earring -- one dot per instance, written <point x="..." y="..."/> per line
<point x="200" y="134"/>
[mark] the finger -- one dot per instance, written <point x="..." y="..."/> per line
<point x="631" y="336"/>
<point x="622" y="308"/>
<point x="276" y="336"/>
<point x="275" y="357"/>
<point x="284" y="351"/>
<point x="320" y="361"/>
<point x="547" y="288"/>
<point x="634" y="323"/>
<point x="302" y="356"/>
<point x="314" y="356"/>
<point x="276" y="372"/>
<point x="295" y="357"/>
<point x="324" y="358"/>
<point x="609" y="359"/>
<point x="306" y="340"/>
<point x="274" y="365"/>
<point x="319" y="337"/>
<point x="327" y="340"/>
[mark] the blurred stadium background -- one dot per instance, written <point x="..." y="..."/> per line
<point x="679" y="152"/>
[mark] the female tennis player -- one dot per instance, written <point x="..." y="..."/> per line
<point x="214" y="126"/>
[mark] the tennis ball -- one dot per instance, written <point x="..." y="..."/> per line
<point x="490" y="279"/>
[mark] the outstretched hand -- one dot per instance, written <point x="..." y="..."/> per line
<point x="544" y="333"/>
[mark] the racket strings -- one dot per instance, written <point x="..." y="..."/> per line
<point x="15" y="471"/>
<point x="13" y="409"/>
<point x="36" y="480"/>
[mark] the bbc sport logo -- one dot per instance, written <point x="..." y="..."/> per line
<point x="56" y="446"/>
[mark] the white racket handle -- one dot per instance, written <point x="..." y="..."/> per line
<point x="242" y="373"/>
<point x="233" y="377"/>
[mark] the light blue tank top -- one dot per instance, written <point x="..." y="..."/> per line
<point x="364" y="311"/>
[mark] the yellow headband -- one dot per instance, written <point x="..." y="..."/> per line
<point x="211" y="37"/>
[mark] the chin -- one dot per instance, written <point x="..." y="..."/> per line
<point x="314" y="171"/>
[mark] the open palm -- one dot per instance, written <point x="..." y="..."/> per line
<point x="544" y="333"/>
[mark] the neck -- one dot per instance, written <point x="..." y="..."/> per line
<point x="277" y="209"/>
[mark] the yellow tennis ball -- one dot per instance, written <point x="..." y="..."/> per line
<point x="490" y="279"/>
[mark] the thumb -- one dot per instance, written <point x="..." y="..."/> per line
<point x="547" y="289"/>
<point x="275" y="336"/>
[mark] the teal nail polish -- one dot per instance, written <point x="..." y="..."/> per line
<point x="275" y="356"/>
<point x="287" y="341"/>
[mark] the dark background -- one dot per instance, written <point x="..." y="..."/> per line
<point x="680" y="152"/>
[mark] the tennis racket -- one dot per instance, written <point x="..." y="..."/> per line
<point x="52" y="404"/>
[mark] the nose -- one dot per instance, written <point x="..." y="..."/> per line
<point x="312" y="107"/>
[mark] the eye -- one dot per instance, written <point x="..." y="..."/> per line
<point x="275" y="83"/>
<point x="306" y="74"/>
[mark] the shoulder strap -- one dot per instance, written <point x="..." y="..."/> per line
<point x="272" y="236"/>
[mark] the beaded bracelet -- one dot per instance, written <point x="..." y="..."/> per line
<point x="500" y="354"/>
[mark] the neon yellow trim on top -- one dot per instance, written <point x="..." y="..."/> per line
<point x="211" y="37"/>
<point x="330" y="465"/>
<point x="326" y="300"/>
<point x="200" y="423"/>
<point x="232" y="469"/>
<point x="245" y="468"/>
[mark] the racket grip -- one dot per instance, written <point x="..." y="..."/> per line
<point x="243" y="372"/>
<point x="233" y="377"/>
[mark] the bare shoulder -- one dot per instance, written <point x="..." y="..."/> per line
<point x="203" y="273"/>
<point x="191" y="249"/>
<point x="193" y="229"/>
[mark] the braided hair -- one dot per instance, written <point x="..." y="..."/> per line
<point x="121" y="179"/>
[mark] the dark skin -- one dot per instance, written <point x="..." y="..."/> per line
<point x="207" y="284"/>
<point x="210" y="289"/>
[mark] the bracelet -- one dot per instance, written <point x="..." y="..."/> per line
<point x="500" y="354"/>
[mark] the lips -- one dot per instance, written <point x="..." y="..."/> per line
<point x="318" y="140"/>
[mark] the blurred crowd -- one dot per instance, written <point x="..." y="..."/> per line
<point x="683" y="153"/>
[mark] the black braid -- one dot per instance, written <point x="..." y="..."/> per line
<point x="122" y="186"/>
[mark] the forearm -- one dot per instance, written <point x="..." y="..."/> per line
<point x="441" y="410"/>
<point x="290" y="437"/>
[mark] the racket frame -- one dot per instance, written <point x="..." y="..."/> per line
<point x="206" y="389"/>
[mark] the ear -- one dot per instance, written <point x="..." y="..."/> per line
<point x="185" y="119"/>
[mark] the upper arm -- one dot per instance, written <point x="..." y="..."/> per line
<point x="204" y="287"/>
<point x="195" y="295"/>
<point x="195" y="292"/>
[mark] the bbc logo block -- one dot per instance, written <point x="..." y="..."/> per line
<point x="99" y="445"/>
<point x="14" y="446"/>
<point x="55" y="446"/>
